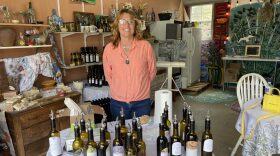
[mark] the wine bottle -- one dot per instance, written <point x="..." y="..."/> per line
<point x="187" y="129"/>
<point x="191" y="140"/>
<point x="166" y="128"/>
<point x="130" y="146"/>
<point x="96" y="54"/>
<point x="92" y="146"/>
<point x="207" y="138"/>
<point x="166" y="114"/>
<point x="54" y="140"/>
<point x="87" y="55"/>
<point x="175" y="140"/>
<point x="89" y="76"/>
<point x="84" y="134"/>
<point x="91" y="54"/>
<point x="141" y="146"/>
<point x="103" y="144"/>
<point x="134" y="129"/>
<point x="78" y="143"/>
<point x="153" y="15"/>
<point x="31" y="14"/>
<point x="118" y="146"/>
<point x="104" y="121"/>
<point x="123" y="127"/>
<point x="162" y="142"/>
<point x="183" y="124"/>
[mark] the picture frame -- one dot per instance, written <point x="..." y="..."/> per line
<point x="253" y="50"/>
<point x="86" y="18"/>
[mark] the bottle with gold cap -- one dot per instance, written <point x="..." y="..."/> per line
<point x="141" y="146"/>
<point x="183" y="123"/>
<point x="130" y="149"/>
<point x="134" y="129"/>
<point x="84" y="134"/>
<point x="92" y="146"/>
<point x="166" y="114"/>
<point x="123" y="127"/>
<point x="78" y="143"/>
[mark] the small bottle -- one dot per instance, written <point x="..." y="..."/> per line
<point x="175" y="142"/>
<point x="166" y="114"/>
<point x="92" y="146"/>
<point x="103" y="144"/>
<point x="130" y="146"/>
<point x="118" y="145"/>
<point x="123" y="127"/>
<point x="54" y="140"/>
<point x="141" y="146"/>
<point x="84" y="134"/>
<point x="134" y="129"/>
<point x="166" y="127"/>
<point x="183" y="123"/>
<point x="104" y="121"/>
<point x="162" y="142"/>
<point x="31" y="14"/>
<point x="207" y="138"/>
<point x="78" y="143"/>
<point x="192" y="140"/>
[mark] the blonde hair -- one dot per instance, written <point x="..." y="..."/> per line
<point x="115" y="27"/>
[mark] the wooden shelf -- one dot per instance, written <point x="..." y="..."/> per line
<point x="26" y="47"/>
<point x="24" y="25"/>
<point x="83" y="65"/>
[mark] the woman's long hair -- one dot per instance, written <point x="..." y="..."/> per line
<point x="115" y="27"/>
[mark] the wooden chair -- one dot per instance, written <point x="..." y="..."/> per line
<point x="249" y="86"/>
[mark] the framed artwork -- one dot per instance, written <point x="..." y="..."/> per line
<point x="253" y="50"/>
<point x="83" y="18"/>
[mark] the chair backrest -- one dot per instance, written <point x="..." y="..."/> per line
<point x="250" y="86"/>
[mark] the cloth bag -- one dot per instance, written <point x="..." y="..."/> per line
<point x="271" y="102"/>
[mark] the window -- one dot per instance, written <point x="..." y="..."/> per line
<point x="203" y="15"/>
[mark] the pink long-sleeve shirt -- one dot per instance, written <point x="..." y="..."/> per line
<point x="130" y="82"/>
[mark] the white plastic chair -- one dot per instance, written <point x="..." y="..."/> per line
<point x="249" y="86"/>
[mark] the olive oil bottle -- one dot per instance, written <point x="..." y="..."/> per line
<point x="123" y="127"/>
<point x="162" y="142"/>
<point x="176" y="146"/>
<point x="130" y="146"/>
<point x="84" y="134"/>
<point x="118" y="145"/>
<point x="141" y="146"/>
<point x="183" y="124"/>
<point x="134" y="129"/>
<point x="103" y="144"/>
<point x="92" y="146"/>
<point x="207" y="138"/>
<point x="192" y="140"/>
<point x="166" y="114"/>
<point x="78" y="143"/>
<point x="54" y="139"/>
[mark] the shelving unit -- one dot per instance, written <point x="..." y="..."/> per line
<point x="62" y="35"/>
<point x="24" y="25"/>
<point x="25" y="47"/>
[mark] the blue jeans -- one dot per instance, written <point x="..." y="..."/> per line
<point x="140" y="108"/>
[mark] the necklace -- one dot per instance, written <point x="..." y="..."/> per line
<point x="126" y="49"/>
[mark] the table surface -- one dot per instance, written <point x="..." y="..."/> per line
<point x="266" y="134"/>
<point x="150" y="134"/>
<point x="244" y="58"/>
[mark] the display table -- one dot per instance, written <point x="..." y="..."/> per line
<point x="170" y="66"/>
<point x="265" y="139"/>
<point x="254" y="59"/>
<point x="150" y="134"/>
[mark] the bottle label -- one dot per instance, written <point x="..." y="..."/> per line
<point x="87" y="59"/>
<point x="191" y="148"/>
<point x="100" y="82"/>
<point x="97" y="58"/>
<point x="118" y="151"/>
<point x="91" y="151"/>
<point x="108" y="151"/>
<point x="176" y="148"/>
<point x="91" y="58"/>
<point x="208" y="145"/>
<point x="164" y="152"/>
<point x="55" y="146"/>
<point x="167" y="135"/>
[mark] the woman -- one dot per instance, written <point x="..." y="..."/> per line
<point x="129" y="67"/>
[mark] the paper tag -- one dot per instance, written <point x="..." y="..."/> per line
<point x="191" y="148"/>
<point x="55" y="146"/>
<point x="176" y="148"/>
<point x="68" y="144"/>
<point x="208" y="145"/>
<point x="118" y="151"/>
<point x="91" y="151"/>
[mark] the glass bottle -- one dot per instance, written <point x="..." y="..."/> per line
<point x="130" y="146"/>
<point x="84" y="134"/>
<point x="31" y="15"/>
<point x="166" y="127"/>
<point x="54" y="140"/>
<point x="103" y="144"/>
<point x="78" y="143"/>
<point x="134" y="129"/>
<point x="118" y="146"/>
<point x="175" y="142"/>
<point x="96" y="55"/>
<point x="162" y="142"/>
<point x="192" y="140"/>
<point x="104" y="121"/>
<point x="92" y="146"/>
<point x="153" y="15"/>
<point x="166" y="114"/>
<point x="183" y="123"/>
<point x="123" y="127"/>
<point x="207" y="138"/>
<point x="141" y="146"/>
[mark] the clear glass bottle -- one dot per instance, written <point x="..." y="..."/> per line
<point x="31" y="14"/>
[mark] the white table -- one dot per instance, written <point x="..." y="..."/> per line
<point x="170" y="66"/>
<point x="255" y="59"/>
<point x="266" y="136"/>
<point x="95" y="93"/>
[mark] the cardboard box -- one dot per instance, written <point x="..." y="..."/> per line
<point x="232" y="72"/>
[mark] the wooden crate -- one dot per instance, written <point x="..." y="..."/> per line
<point x="30" y="128"/>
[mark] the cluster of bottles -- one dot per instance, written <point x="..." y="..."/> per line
<point x="104" y="24"/>
<point x="96" y="76"/>
<point x="186" y="139"/>
<point x="151" y="16"/>
<point x="86" y="55"/>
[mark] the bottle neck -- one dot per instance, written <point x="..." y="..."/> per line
<point x="139" y="134"/>
<point x="184" y="114"/>
<point x="102" y="135"/>
<point x="53" y="125"/>
<point x="117" y="132"/>
<point x="90" y="135"/>
<point x="175" y="129"/>
<point x="83" y="126"/>
<point x="161" y="129"/>
<point x="129" y="141"/>
<point x="77" y="133"/>
<point x="192" y="127"/>
<point x="122" y="121"/>
<point x="207" y="125"/>
<point x="134" y="125"/>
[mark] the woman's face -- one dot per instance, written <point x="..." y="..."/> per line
<point x="126" y="25"/>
